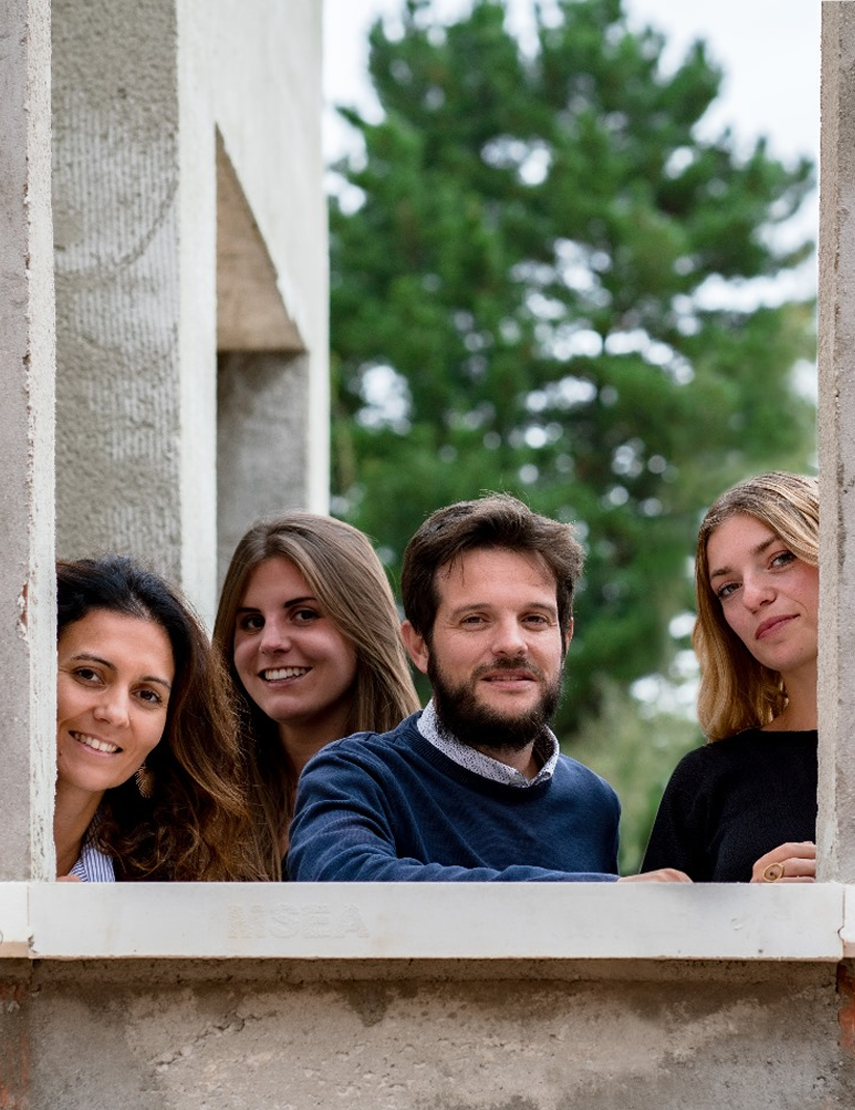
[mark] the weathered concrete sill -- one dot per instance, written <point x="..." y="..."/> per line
<point x="341" y="921"/>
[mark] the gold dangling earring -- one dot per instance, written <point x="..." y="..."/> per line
<point x="144" y="779"/>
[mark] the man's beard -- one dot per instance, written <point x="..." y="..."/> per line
<point x="473" y="723"/>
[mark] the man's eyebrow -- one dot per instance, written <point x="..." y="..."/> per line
<point x="468" y="607"/>
<point x="471" y="606"/>
<point x="89" y="657"/>
<point x="758" y="550"/>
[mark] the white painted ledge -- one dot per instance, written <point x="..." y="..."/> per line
<point x="427" y="921"/>
<point x="14" y="920"/>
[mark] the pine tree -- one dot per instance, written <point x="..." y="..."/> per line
<point x="541" y="283"/>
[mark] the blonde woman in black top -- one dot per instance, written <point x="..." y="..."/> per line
<point x="743" y="808"/>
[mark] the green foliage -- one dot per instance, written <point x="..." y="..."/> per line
<point x="528" y="276"/>
<point x="636" y="755"/>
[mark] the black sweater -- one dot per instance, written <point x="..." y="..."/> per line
<point x="732" y="801"/>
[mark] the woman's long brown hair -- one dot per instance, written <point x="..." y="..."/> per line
<point x="348" y="580"/>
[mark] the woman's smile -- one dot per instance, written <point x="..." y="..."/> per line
<point x="115" y="674"/>
<point x="291" y="658"/>
<point x="95" y="744"/>
<point x="280" y="673"/>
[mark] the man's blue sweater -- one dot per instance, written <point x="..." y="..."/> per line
<point x="390" y="807"/>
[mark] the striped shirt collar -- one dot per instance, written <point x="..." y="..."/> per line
<point x="545" y="748"/>
<point x="93" y="866"/>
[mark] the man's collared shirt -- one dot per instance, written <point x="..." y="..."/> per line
<point x="545" y="749"/>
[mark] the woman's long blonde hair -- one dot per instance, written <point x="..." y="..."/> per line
<point x="736" y="692"/>
<point x="348" y="580"/>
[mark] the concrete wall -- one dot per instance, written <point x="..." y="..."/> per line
<point x="532" y="997"/>
<point x="273" y="395"/>
<point x="148" y="1036"/>
<point x="118" y="227"/>
<point x="263" y="397"/>
<point x="836" y="827"/>
<point x="142" y="89"/>
<point x="27" y="606"/>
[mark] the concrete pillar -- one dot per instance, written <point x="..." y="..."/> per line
<point x="264" y="425"/>
<point x="262" y="442"/>
<point x="271" y="53"/>
<point x="836" y="824"/>
<point x="134" y="200"/>
<point x="27" y="589"/>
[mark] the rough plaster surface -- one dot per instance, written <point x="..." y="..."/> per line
<point x="263" y="448"/>
<point x="197" y="350"/>
<point x="27" y="605"/>
<point x="264" y="69"/>
<point x="836" y="828"/>
<point x="116" y="231"/>
<point x="175" y="1038"/>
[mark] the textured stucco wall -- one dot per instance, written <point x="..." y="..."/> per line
<point x="117" y="228"/>
<point x="836" y="427"/>
<point x="272" y="53"/>
<point x="229" y="1037"/>
<point x="262" y="405"/>
<point x="27" y="605"/>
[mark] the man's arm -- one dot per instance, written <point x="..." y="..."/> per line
<point x="342" y="832"/>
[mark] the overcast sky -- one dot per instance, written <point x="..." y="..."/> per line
<point x="768" y="49"/>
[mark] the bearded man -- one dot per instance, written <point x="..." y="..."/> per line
<point x="474" y="787"/>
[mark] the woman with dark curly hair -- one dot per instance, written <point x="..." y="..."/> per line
<point x="150" y="780"/>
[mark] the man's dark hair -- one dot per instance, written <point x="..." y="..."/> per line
<point x="497" y="521"/>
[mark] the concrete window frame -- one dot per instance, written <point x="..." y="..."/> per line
<point x="42" y="919"/>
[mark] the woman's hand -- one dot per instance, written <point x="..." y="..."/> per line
<point x="68" y="879"/>
<point x="788" y="863"/>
